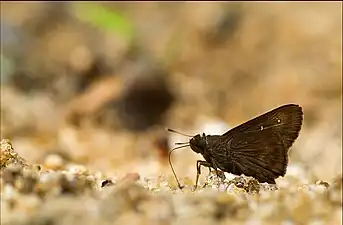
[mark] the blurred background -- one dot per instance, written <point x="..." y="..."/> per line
<point x="98" y="83"/>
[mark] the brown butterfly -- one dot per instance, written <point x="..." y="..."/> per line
<point x="257" y="148"/>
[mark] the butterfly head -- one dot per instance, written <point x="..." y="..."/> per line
<point x="198" y="143"/>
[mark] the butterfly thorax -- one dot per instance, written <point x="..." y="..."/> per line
<point x="198" y="143"/>
<point x="201" y="143"/>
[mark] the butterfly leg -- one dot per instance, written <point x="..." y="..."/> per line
<point x="209" y="171"/>
<point x="217" y="173"/>
<point x="199" y="164"/>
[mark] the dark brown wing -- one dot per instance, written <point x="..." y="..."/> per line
<point x="290" y="119"/>
<point x="259" y="147"/>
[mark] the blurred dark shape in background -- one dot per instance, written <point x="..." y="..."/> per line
<point x="140" y="97"/>
<point x="146" y="95"/>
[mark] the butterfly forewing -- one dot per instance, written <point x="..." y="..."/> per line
<point x="259" y="147"/>
<point x="286" y="120"/>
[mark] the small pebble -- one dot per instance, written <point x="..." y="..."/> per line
<point x="54" y="162"/>
<point x="323" y="183"/>
<point x="77" y="169"/>
<point x="106" y="183"/>
<point x="132" y="176"/>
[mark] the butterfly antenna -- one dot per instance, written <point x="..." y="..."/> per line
<point x="177" y="132"/>
<point x="171" y="165"/>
